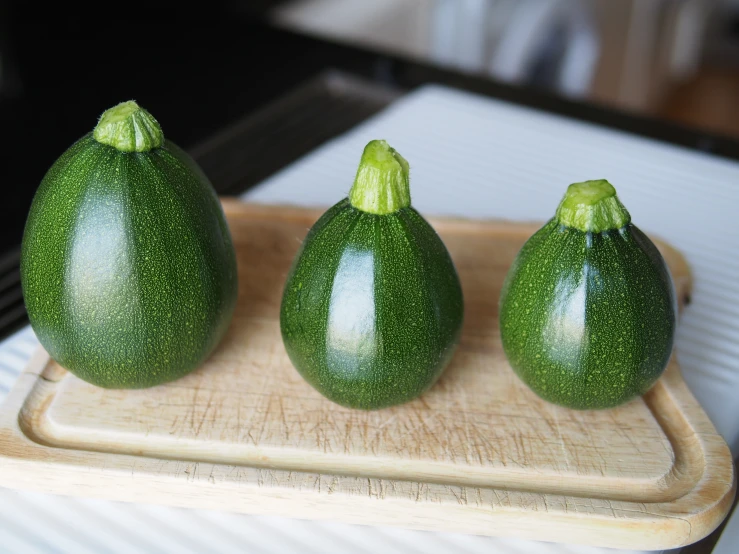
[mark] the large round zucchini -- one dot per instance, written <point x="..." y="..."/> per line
<point x="372" y="307"/>
<point x="127" y="266"/>
<point x="587" y="310"/>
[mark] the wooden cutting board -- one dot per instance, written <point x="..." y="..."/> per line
<point x="479" y="453"/>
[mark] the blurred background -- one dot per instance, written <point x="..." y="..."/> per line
<point x="675" y="59"/>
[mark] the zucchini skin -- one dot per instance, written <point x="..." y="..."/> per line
<point x="127" y="265"/>
<point x="372" y="307"/>
<point x="587" y="319"/>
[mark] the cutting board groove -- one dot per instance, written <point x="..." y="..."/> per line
<point x="478" y="453"/>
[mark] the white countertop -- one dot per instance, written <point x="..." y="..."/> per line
<point x="473" y="157"/>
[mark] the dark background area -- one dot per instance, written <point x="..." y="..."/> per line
<point x="196" y="72"/>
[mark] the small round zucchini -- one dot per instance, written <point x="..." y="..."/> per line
<point x="372" y="306"/>
<point x="127" y="266"/>
<point x="587" y="310"/>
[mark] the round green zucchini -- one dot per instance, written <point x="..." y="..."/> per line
<point x="372" y="307"/>
<point x="127" y="266"/>
<point x="587" y="310"/>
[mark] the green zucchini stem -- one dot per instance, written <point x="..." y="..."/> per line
<point x="129" y="128"/>
<point x="592" y="207"/>
<point x="382" y="182"/>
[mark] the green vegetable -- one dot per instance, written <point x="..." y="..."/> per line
<point x="127" y="266"/>
<point x="587" y="310"/>
<point x="372" y="307"/>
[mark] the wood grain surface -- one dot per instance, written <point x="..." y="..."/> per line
<point x="478" y="453"/>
